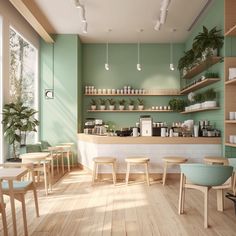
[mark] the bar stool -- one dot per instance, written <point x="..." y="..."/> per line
<point x="171" y="161"/>
<point x="216" y="160"/>
<point x="104" y="161"/>
<point x="137" y="161"/>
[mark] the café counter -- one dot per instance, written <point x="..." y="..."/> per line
<point x="195" y="149"/>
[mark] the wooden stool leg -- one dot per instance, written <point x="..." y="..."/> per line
<point x="45" y="178"/>
<point x="220" y="199"/>
<point x="68" y="160"/>
<point x="3" y="212"/>
<point x="36" y="202"/>
<point x="181" y="193"/>
<point x="206" y="207"/>
<point x="22" y="199"/>
<point x="57" y="165"/>
<point x="114" y="173"/>
<point x="164" y="174"/>
<point x="127" y="174"/>
<point x="97" y="166"/>
<point x="147" y="174"/>
<point x="94" y="172"/>
<point x="234" y="183"/>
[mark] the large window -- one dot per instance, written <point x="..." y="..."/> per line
<point x="23" y="77"/>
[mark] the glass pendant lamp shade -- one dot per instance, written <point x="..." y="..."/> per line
<point x="139" y="67"/>
<point x="107" y="57"/>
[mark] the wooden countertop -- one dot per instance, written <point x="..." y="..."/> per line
<point x="147" y="140"/>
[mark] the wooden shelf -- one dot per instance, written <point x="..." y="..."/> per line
<point x="230" y="121"/>
<point x="230" y="144"/>
<point x="200" y="110"/>
<point x="137" y="95"/>
<point x="149" y="110"/>
<point x="232" y="81"/>
<point x="202" y="66"/>
<point x="231" y="31"/>
<point x="199" y="85"/>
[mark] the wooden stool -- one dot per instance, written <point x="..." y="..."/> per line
<point x="213" y="160"/>
<point x="104" y="161"/>
<point x="171" y="161"/>
<point x="137" y="161"/>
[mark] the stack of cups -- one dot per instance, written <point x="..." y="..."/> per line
<point x="232" y="115"/>
<point x="232" y="138"/>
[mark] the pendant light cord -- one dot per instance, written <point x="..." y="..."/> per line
<point x="171" y="52"/>
<point x="107" y="49"/>
<point x="53" y="66"/>
<point x="138" y="52"/>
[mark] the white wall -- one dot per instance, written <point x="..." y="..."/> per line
<point x="11" y="17"/>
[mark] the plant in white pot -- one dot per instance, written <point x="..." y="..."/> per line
<point x="140" y="104"/>
<point x="131" y="104"/>
<point x="111" y="103"/>
<point x="93" y="104"/>
<point x="198" y="99"/>
<point x="209" y="98"/>
<point x="102" y="104"/>
<point x="122" y="104"/>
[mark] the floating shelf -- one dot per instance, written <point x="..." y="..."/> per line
<point x="202" y="66"/>
<point x="232" y="81"/>
<point x="230" y="121"/>
<point x="200" y="110"/>
<point x="137" y="95"/>
<point x="230" y="144"/>
<point x="129" y="111"/>
<point x="199" y="85"/>
<point x="231" y="31"/>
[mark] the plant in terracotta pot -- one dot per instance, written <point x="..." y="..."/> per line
<point x="122" y="104"/>
<point x="131" y="104"/>
<point x="208" y="42"/>
<point x="140" y="104"/>
<point x="111" y="103"/>
<point x="209" y="98"/>
<point x="102" y="104"/>
<point x="93" y="104"/>
<point x="18" y="120"/>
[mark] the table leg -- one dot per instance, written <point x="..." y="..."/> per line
<point x="45" y="177"/>
<point x="68" y="160"/>
<point x="13" y="210"/>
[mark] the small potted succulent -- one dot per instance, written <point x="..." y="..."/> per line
<point x="140" y="104"/>
<point x="122" y="104"/>
<point x="93" y="104"/>
<point x="102" y="104"/>
<point x="111" y="103"/>
<point x="131" y="104"/>
<point x="209" y="98"/>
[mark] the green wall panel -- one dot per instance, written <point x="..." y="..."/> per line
<point x="59" y="116"/>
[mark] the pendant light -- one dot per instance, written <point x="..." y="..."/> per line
<point x="107" y="67"/>
<point x="172" y="67"/>
<point x="139" y="68"/>
<point x="49" y="93"/>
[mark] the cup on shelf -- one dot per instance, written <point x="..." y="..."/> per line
<point x="113" y="91"/>
<point x="108" y="91"/>
<point x="165" y="107"/>
<point x="231" y="138"/>
<point x="117" y="91"/>
<point x="153" y="108"/>
<point x="99" y="91"/>
<point x="234" y="138"/>
<point x="104" y="91"/>
<point x="157" y="108"/>
<point x="232" y="115"/>
<point x="160" y="108"/>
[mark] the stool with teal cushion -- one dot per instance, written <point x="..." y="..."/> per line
<point x="202" y="177"/>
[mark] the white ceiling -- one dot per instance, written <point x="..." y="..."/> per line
<point x="124" y="17"/>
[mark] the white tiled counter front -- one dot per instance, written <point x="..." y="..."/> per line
<point x="153" y="147"/>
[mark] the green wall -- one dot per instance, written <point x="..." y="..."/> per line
<point x="155" y="74"/>
<point x="59" y="116"/>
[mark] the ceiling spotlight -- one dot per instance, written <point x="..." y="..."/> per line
<point x="172" y="66"/>
<point x="85" y="27"/>
<point x="157" y="27"/>
<point x="107" y="66"/>
<point x="164" y="5"/>
<point x="163" y="16"/>
<point x="77" y="4"/>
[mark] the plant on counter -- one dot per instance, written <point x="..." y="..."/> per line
<point x="131" y="104"/>
<point x="111" y="103"/>
<point x="102" y="104"/>
<point x="209" y="74"/>
<point x="18" y="120"/>
<point x="140" y="104"/>
<point x="177" y="104"/>
<point x="207" y="41"/>
<point x="122" y="104"/>
<point x="93" y="104"/>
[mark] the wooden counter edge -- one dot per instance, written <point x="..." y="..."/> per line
<point x="147" y="140"/>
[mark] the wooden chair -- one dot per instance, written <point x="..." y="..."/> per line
<point x="171" y="161"/>
<point x="104" y="161"/>
<point x="215" y="160"/>
<point x="137" y="161"/>
<point x="21" y="188"/>
<point x="202" y="177"/>
<point x="3" y="212"/>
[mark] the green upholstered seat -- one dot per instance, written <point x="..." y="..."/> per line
<point x="33" y="148"/>
<point x="17" y="185"/>
<point x="206" y="175"/>
<point x="45" y="144"/>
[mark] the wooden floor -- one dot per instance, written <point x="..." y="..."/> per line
<point x="77" y="208"/>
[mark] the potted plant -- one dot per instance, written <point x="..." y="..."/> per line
<point x="93" y="104"/>
<point x="111" y="103"/>
<point x="131" y="104"/>
<point x="186" y="62"/>
<point x="208" y="42"/>
<point x="102" y="104"/>
<point x="140" y="104"/>
<point x="18" y="120"/>
<point x="209" y="74"/>
<point x="122" y="104"/>
<point x="198" y="99"/>
<point x="209" y="98"/>
<point x="177" y="104"/>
